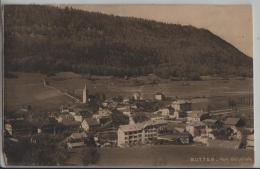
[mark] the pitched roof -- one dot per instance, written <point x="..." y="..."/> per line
<point x="210" y="122"/>
<point x="196" y="124"/>
<point x="172" y="137"/>
<point x="250" y="137"/>
<point x="196" y="114"/>
<point x="92" y="121"/>
<point x="181" y="101"/>
<point x="231" y="121"/>
<point x="174" y="125"/>
<point x="78" y="135"/>
<point x="133" y="127"/>
<point x="69" y="122"/>
<point x="140" y="126"/>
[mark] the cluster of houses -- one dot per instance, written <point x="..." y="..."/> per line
<point x="173" y="123"/>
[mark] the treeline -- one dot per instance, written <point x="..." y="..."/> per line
<point x="51" y="39"/>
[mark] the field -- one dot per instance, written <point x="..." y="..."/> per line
<point x="28" y="89"/>
<point x="169" y="155"/>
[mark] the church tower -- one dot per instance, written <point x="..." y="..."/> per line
<point x="85" y="94"/>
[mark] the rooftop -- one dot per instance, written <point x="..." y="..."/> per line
<point x="91" y="121"/>
<point x="69" y="122"/>
<point x="181" y="101"/>
<point x="78" y="135"/>
<point x="140" y="126"/>
<point x="196" y="113"/>
<point x="231" y="121"/>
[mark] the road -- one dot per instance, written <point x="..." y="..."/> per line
<point x="76" y="100"/>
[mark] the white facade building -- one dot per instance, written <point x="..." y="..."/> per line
<point x="139" y="133"/>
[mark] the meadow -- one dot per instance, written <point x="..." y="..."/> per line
<point x="28" y="89"/>
<point x="168" y="155"/>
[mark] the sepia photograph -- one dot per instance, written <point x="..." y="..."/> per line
<point x="128" y="85"/>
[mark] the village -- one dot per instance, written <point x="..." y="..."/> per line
<point x="129" y="121"/>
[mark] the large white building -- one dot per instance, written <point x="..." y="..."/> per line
<point x="139" y="133"/>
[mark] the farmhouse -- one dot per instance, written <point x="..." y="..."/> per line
<point x="174" y="126"/>
<point x="102" y="116"/>
<point x="175" y="138"/>
<point x="78" y="117"/>
<point x="126" y="100"/>
<point x="196" y="116"/>
<point x="126" y="110"/>
<point x="250" y="141"/>
<point x="8" y="128"/>
<point x="159" y="96"/>
<point x="138" y="133"/>
<point x="196" y="128"/>
<point x="70" y="125"/>
<point x="212" y="123"/>
<point x="181" y="105"/>
<point x="164" y="111"/>
<point x="76" y="140"/>
<point x="137" y="96"/>
<point x="90" y="125"/>
<point x="62" y="117"/>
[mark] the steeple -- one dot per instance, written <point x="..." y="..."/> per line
<point x="85" y="94"/>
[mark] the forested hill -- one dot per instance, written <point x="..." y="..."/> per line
<point x="47" y="38"/>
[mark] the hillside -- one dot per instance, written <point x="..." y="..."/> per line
<point x="50" y="39"/>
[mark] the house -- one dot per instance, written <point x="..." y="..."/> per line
<point x="126" y="110"/>
<point x="103" y="116"/>
<point x="155" y="117"/>
<point x="236" y="133"/>
<point x="173" y="126"/>
<point x="196" y="116"/>
<point x="89" y="124"/>
<point x="78" y="117"/>
<point x="126" y="100"/>
<point x="233" y="121"/>
<point x="196" y="128"/>
<point x="212" y="123"/>
<point x="159" y="96"/>
<point x="138" y="133"/>
<point x="211" y="126"/>
<point x="76" y="140"/>
<point x="176" y="138"/>
<point x="250" y="141"/>
<point x="181" y="105"/>
<point x="222" y="133"/>
<point x="164" y="111"/>
<point x="70" y="125"/>
<point x="137" y="96"/>
<point x="109" y="102"/>
<point x="65" y="109"/>
<point x="108" y="137"/>
<point x="64" y="116"/>
<point x="227" y="144"/>
<point x="8" y="128"/>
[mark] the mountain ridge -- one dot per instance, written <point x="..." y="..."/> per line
<point x="96" y="43"/>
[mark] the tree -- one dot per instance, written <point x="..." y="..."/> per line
<point x="119" y="118"/>
<point x="90" y="155"/>
<point x="140" y="117"/>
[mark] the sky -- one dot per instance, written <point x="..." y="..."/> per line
<point x="232" y="23"/>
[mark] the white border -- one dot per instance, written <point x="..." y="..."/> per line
<point x="256" y="39"/>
